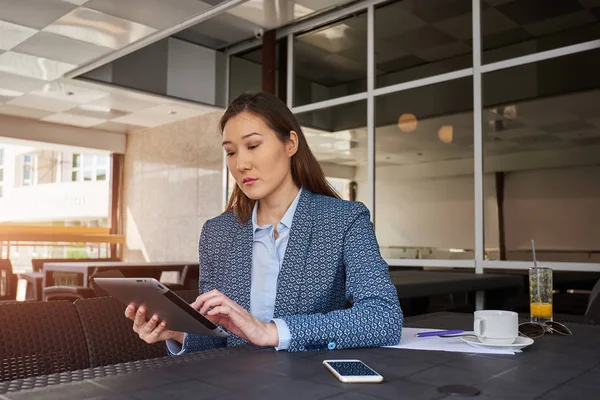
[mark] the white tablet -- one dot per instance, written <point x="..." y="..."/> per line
<point x="158" y="299"/>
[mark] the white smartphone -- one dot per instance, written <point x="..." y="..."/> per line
<point x="352" y="371"/>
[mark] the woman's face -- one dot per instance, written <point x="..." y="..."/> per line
<point x="257" y="159"/>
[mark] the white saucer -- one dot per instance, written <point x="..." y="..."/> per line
<point x="519" y="343"/>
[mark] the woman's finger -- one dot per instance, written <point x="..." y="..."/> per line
<point x="130" y="311"/>
<point x="150" y="325"/>
<point x="213" y="302"/>
<point x="203" y="297"/>
<point x="140" y="319"/>
<point x="159" y="330"/>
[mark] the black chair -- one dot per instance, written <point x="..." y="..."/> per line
<point x="35" y="279"/>
<point x="8" y="281"/>
<point x="69" y="293"/>
<point x="38" y="263"/>
<point x="109" y="334"/>
<point x="38" y="338"/>
<point x="593" y="309"/>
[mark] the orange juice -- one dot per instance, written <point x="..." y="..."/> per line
<point x="541" y="310"/>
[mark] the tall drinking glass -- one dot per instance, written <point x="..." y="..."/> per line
<point x="540" y="294"/>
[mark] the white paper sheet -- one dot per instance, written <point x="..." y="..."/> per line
<point x="436" y="343"/>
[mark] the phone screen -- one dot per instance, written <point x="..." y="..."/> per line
<point x="352" y="368"/>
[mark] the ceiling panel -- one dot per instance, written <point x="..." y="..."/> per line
<point x="19" y="83"/>
<point x="61" y="48"/>
<point x="42" y="103"/>
<point x="12" y="34"/>
<point x="159" y="14"/>
<point x="162" y="114"/>
<point x="25" y="112"/>
<point x="117" y="127"/>
<point x="75" y="120"/>
<point x="69" y="92"/>
<point x="100" y="29"/>
<point x="124" y="103"/>
<point x="32" y="66"/>
<point x="34" y="13"/>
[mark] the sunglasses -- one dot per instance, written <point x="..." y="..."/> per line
<point x="535" y="330"/>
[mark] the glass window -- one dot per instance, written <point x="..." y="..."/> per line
<point x="1" y="157"/>
<point x="542" y="157"/>
<point x="101" y="175"/>
<point x="416" y="39"/>
<point x="331" y="61"/>
<point x="337" y="136"/>
<point x="88" y="161"/>
<point x="516" y="28"/>
<point x="1" y="175"/>
<point x="76" y="160"/>
<point x="245" y="71"/>
<point x="75" y="176"/>
<point x="87" y="175"/>
<point x="424" y="187"/>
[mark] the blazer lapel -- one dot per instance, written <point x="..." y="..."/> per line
<point x="292" y="273"/>
<point x="240" y="266"/>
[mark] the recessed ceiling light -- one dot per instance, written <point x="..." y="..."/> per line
<point x="171" y="112"/>
<point x="69" y="93"/>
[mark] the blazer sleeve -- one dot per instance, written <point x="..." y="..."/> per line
<point x="194" y="341"/>
<point x="375" y="318"/>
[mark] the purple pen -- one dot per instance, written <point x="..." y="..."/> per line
<point x="437" y="333"/>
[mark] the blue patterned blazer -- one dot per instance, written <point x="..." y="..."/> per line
<point x="332" y="257"/>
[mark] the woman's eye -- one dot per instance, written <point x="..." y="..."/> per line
<point x="229" y="154"/>
<point x="252" y="147"/>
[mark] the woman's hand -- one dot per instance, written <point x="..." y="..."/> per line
<point x="153" y="330"/>
<point x="223" y="311"/>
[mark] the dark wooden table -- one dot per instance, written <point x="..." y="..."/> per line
<point x="431" y="283"/>
<point x="553" y="368"/>
<point x="78" y="273"/>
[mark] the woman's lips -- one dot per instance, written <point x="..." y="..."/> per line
<point x="249" y="181"/>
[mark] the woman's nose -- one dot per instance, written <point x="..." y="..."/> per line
<point x="244" y="162"/>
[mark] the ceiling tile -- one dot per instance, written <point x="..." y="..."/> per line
<point x="34" y="13"/>
<point x="19" y="83"/>
<point x="159" y="14"/>
<point x="10" y="93"/>
<point x="76" y="120"/>
<point x="33" y="67"/>
<point x="95" y="111"/>
<point x="61" y="48"/>
<point x="25" y="112"/>
<point x="118" y="128"/>
<point x="124" y="103"/>
<point x="42" y="103"/>
<point x="77" y="2"/>
<point x="70" y="93"/>
<point x="12" y="34"/>
<point x="561" y="23"/>
<point x="527" y="12"/>
<point x="98" y="28"/>
<point x="163" y="114"/>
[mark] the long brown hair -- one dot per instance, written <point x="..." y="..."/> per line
<point x="306" y="170"/>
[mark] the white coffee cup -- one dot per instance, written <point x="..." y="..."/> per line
<point x="496" y="326"/>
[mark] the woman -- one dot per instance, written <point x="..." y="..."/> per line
<point x="279" y="266"/>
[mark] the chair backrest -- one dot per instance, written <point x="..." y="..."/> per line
<point x="38" y="263"/>
<point x="39" y="338"/>
<point x="8" y="281"/>
<point x="593" y="308"/>
<point x="109" y="334"/>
